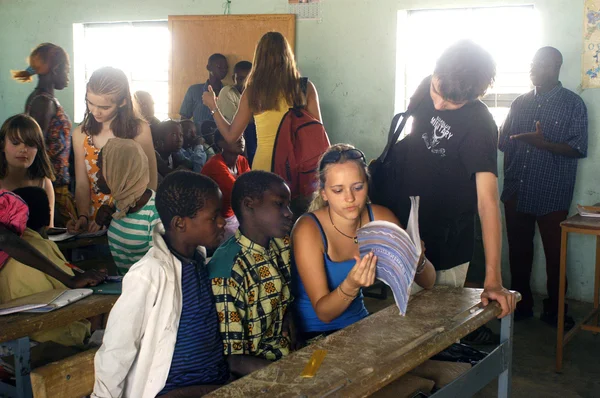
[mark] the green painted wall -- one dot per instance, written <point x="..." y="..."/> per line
<point x="350" y="56"/>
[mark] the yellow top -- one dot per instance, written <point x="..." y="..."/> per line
<point x="267" y="124"/>
<point x="19" y="280"/>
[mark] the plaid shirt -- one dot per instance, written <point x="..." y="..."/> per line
<point x="543" y="181"/>
<point x="251" y="286"/>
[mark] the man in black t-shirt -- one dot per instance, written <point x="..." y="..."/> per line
<point x="450" y="162"/>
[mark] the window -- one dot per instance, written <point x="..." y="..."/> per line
<point x="510" y="34"/>
<point x="140" y="49"/>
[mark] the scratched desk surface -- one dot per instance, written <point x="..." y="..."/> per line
<point x="372" y="353"/>
<point x="15" y="326"/>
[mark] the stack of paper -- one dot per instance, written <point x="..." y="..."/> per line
<point x="589" y="211"/>
<point x="45" y="301"/>
<point x="397" y="252"/>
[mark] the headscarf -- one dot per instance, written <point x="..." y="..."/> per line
<point x="125" y="169"/>
<point x="14" y="214"/>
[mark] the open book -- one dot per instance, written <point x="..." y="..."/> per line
<point x="45" y="301"/>
<point x="64" y="235"/>
<point x="398" y="252"/>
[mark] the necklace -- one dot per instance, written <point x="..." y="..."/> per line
<point x="354" y="238"/>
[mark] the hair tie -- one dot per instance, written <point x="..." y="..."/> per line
<point x="31" y="71"/>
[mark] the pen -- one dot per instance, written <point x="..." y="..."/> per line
<point x="75" y="268"/>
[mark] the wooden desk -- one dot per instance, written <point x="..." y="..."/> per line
<point x="587" y="226"/>
<point x="15" y="329"/>
<point x="372" y="353"/>
<point x="76" y="243"/>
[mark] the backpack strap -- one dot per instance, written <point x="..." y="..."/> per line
<point x="394" y="133"/>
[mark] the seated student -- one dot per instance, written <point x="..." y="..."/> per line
<point x="14" y="214"/>
<point x="123" y="173"/>
<point x="168" y="140"/>
<point x="250" y="272"/>
<point x="19" y="280"/>
<point x="163" y="334"/>
<point x="24" y="161"/>
<point x="224" y="168"/>
<point x="191" y="154"/>
<point x="329" y="274"/>
<point x="146" y="106"/>
<point x="207" y="131"/>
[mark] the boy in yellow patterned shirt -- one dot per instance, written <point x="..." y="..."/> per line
<point x="250" y="272"/>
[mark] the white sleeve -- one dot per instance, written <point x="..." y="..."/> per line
<point x="126" y="326"/>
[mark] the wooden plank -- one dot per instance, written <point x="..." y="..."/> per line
<point x="195" y="37"/>
<point x="71" y="377"/>
<point x="20" y="325"/>
<point x="374" y="352"/>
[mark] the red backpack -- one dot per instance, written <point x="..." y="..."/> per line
<point x="300" y="141"/>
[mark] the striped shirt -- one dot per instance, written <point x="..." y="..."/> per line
<point x="198" y="356"/>
<point x="130" y="237"/>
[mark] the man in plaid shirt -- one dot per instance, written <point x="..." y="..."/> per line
<point x="543" y="136"/>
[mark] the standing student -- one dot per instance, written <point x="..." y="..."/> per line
<point x="109" y="113"/>
<point x="451" y="163"/>
<point x="123" y="173"/>
<point x="146" y="106"/>
<point x="228" y="102"/>
<point x="192" y="106"/>
<point x="51" y="63"/>
<point x="543" y="136"/>
<point x="329" y="274"/>
<point x="225" y="168"/>
<point x="24" y="161"/>
<point x="250" y="272"/>
<point x="272" y="87"/>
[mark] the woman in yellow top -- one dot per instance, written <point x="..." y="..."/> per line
<point x="272" y="87"/>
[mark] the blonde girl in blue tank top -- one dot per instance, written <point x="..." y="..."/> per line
<point x="272" y="87"/>
<point x="328" y="271"/>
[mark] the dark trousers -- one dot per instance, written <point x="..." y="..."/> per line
<point x="520" y="228"/>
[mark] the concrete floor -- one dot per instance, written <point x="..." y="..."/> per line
<point x="534" y="353"/>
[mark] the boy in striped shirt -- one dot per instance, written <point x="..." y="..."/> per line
<point x="124" y="174"/>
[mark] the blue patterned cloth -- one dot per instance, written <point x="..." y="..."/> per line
<point x="542" y="181"/>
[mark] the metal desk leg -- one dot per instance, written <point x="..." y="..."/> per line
<point x="561" y="300"/>
<point x="22" y="389"/>
<point x="506" y="335"/>
<point x="597" y="282"/>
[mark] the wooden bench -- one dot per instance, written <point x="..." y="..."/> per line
<point x="72" y="377"/>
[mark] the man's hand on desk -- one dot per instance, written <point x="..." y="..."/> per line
<point x="503" y="296"/>
<point x="88" y="278"/>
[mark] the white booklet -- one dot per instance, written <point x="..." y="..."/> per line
<point x="398" y="252"/>
<point x="45" y="301"/>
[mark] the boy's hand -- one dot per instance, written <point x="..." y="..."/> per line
<point x="289" y="330"/>
<point x="80" y="225"/>
<point x="104" y="215"/>
<point x="89" y="278"/>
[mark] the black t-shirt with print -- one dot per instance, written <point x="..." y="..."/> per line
<point x="441" y="156"/>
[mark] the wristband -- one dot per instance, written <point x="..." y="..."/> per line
<point x="346" y="294"/>
<point x="86" y="217"/>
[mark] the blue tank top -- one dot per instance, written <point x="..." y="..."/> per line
<point x="336" y="272"/>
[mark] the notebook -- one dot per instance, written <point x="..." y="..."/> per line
<point x="398" y="252"/>
<point x="108" y="287"/>
<point x="45" y="301"/>
<point x="59" y="237"/>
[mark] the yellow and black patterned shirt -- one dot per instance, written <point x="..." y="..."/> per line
<point x="251" y="286"/>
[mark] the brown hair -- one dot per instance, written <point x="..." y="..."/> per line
<point x="112" y="82"/>
<point x="44" y="59"/>
<point x="274" y="75"/>
<point x="25" y="129"/>
<point x="318" y="202"/>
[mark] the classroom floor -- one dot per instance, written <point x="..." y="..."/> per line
<point x="534" y="358"/>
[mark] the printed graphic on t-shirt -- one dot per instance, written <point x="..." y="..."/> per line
<point x="441" y="130"/>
